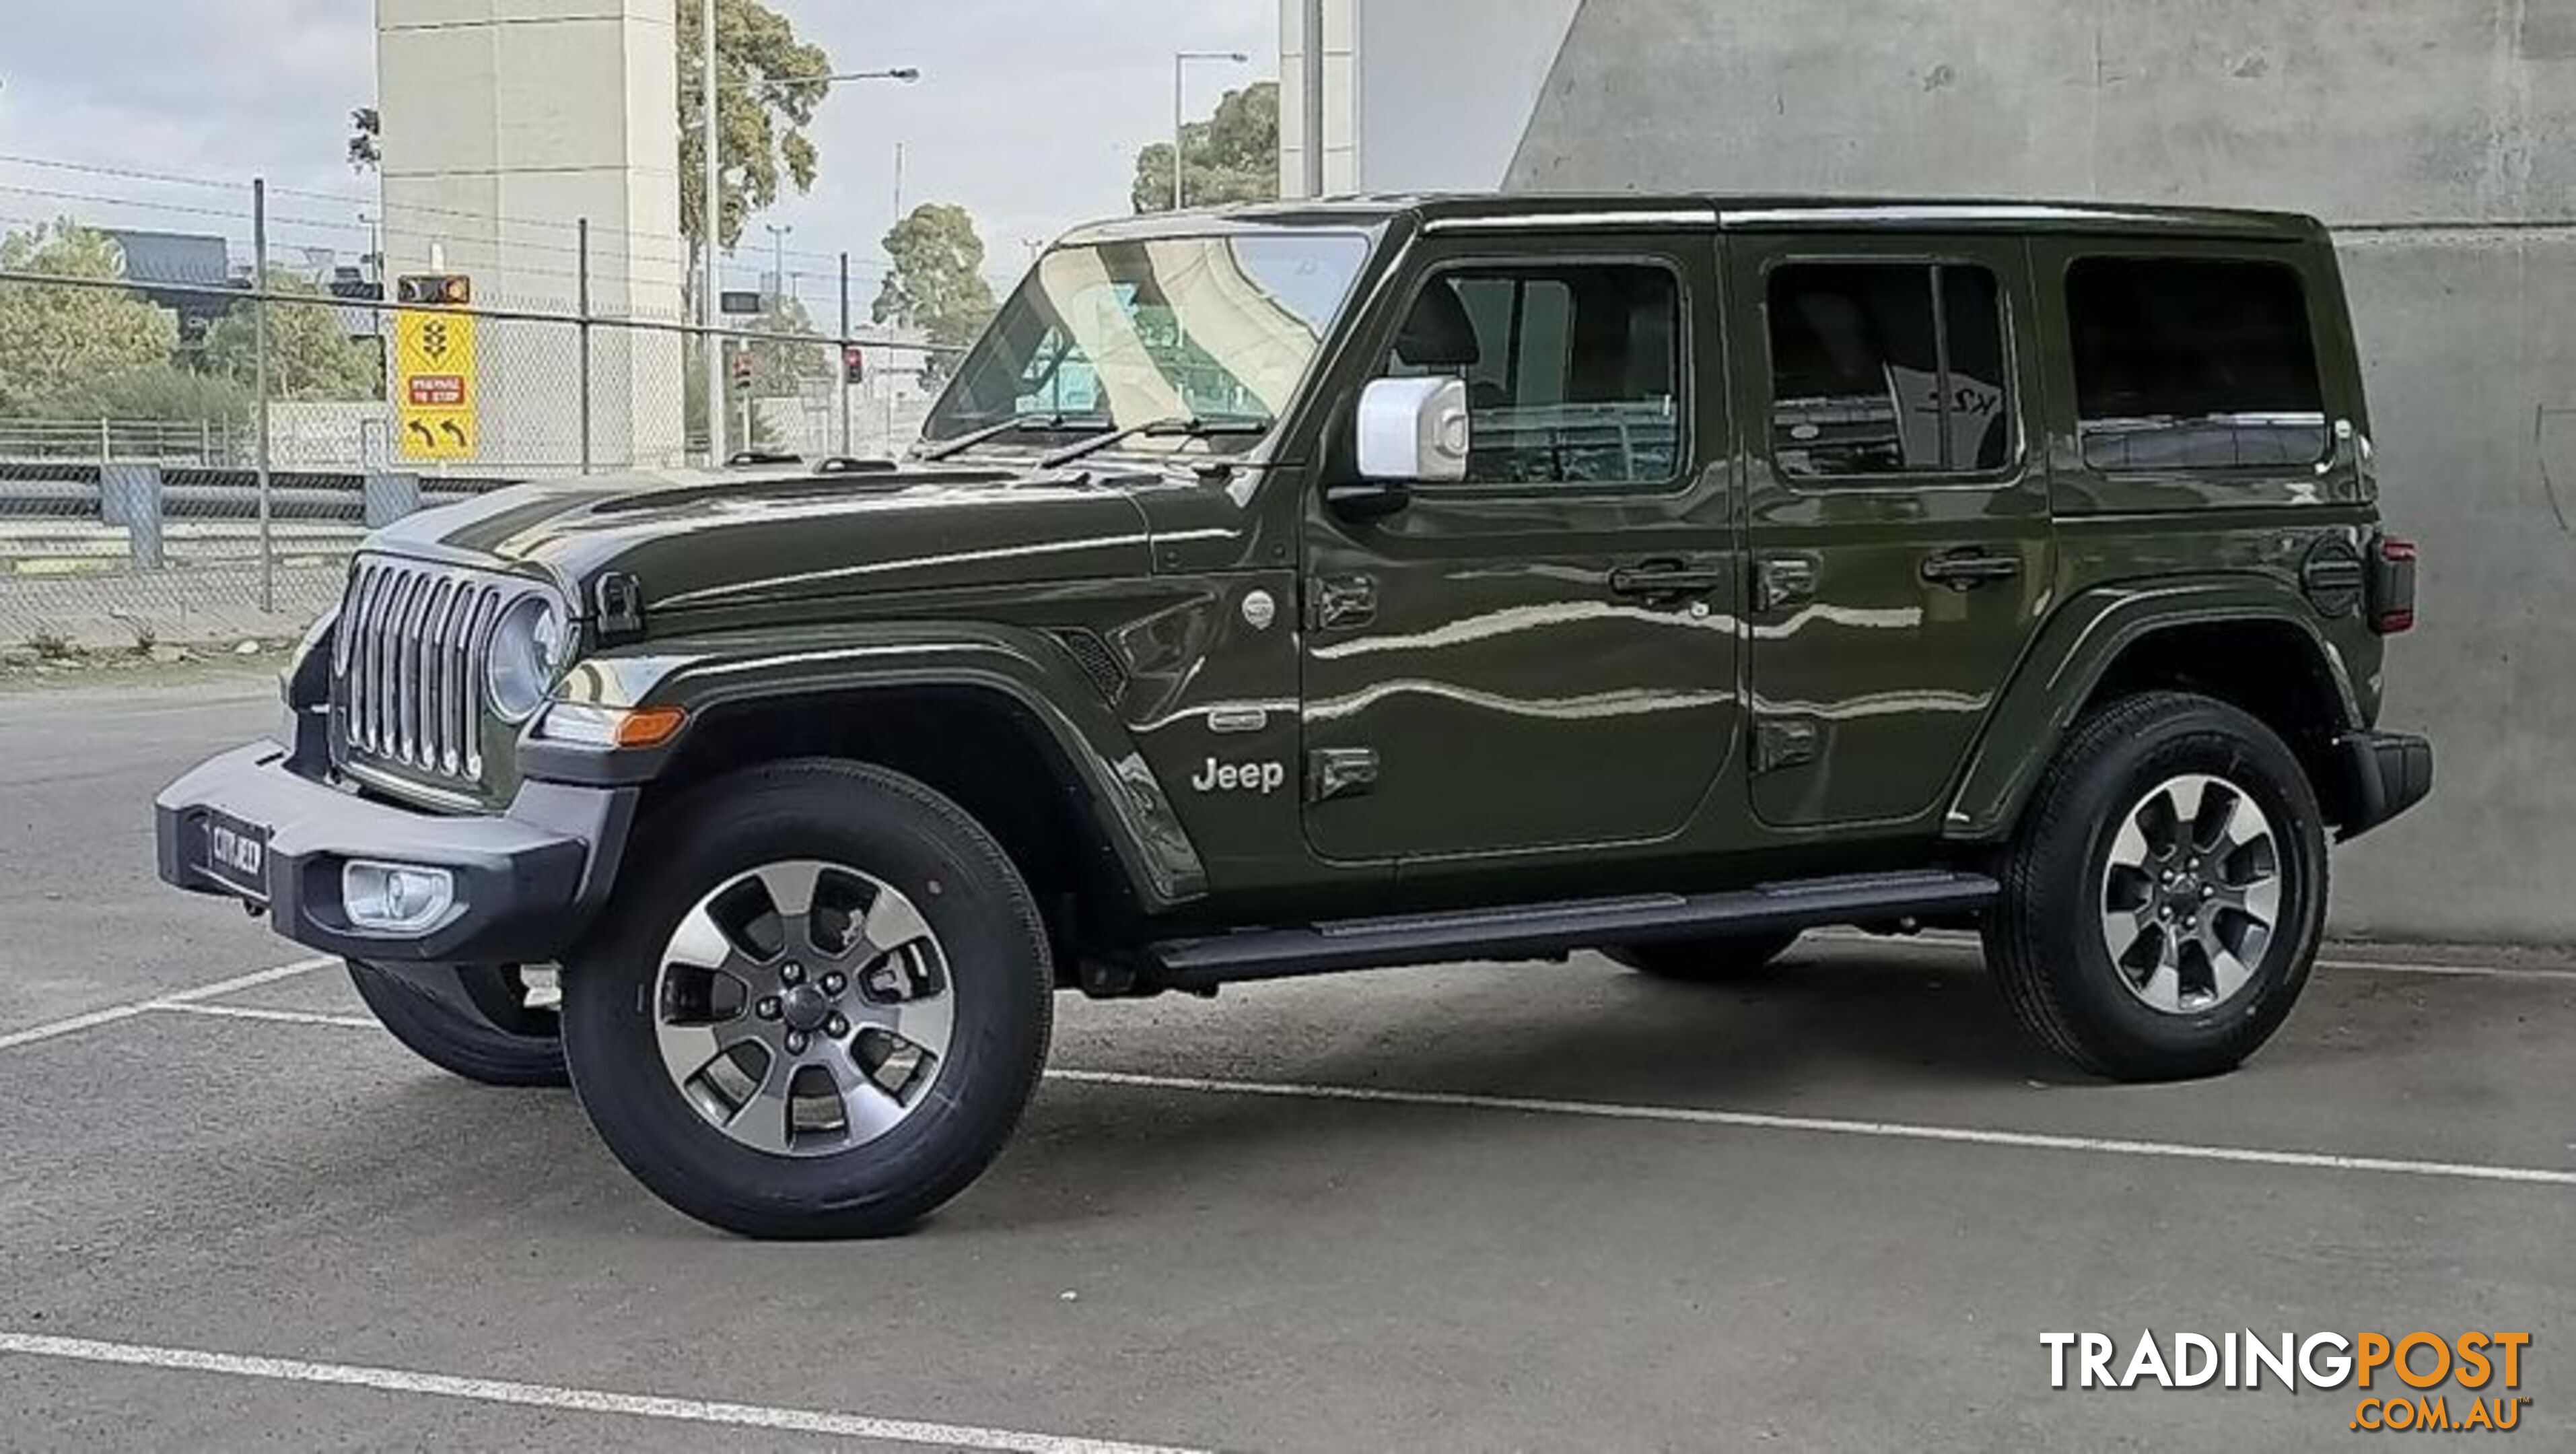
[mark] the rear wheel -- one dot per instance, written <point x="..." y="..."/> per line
<point x="2164" y="899"/>
<point x="507" y="1040"/>
<point x="1706" y="961"/>
<point x="817" y="1009"/>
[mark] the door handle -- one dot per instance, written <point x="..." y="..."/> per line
<point x="1965" y="570"/>
<point x="1664" y="578"/>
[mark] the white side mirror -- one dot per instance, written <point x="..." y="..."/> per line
<point x="1414" y="431"/>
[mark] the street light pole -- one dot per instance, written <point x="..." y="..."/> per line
<point x="1314" y="98"/>
<point x="778" y="264"/>
<point x="710" y="228"/>
<point x="1180" y="61"/>
<point x="905" y="74"/>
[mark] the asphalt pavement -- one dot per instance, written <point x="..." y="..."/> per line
<point x="1461" y="1207"/>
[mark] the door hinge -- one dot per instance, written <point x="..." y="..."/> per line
<point x="618" y="602"/>
<point x="1783" y="742"/>
<point x="1340" y="772"/>
<point x="1338" y="602"/>
<point x="1783" y="581"/>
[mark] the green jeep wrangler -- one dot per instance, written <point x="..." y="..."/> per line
<point x="1317" y="587"/>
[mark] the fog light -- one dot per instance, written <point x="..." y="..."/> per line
<point x="397" y="898"/>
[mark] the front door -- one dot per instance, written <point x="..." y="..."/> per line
<point x="1543" y="656"/>
<point x="1897" y="512"/>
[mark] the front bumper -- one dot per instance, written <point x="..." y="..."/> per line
<point x="528" y="880"/>
<point x="2384" y="774"/>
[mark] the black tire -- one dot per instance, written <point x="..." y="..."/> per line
<point x="2045" y="942"/>
<point x="1705" y="961"/>
<point x="991" y="940"/>
<point x="528" y="1052"/>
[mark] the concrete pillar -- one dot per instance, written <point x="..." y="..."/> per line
<point x="1340" y="106"/>
<point x="129" y="495"/>
<point x="389" y="495"/>
<point x="505" y="123"/>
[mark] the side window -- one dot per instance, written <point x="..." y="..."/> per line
<point x="1573" y="371"/>
<point x="2192" y="363"/>
<point x="1888" y="369"/>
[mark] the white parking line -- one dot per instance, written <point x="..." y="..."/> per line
<point x="578" y="1400"/>
<point x="111" y="1015"/>
<point x="1938" y="944"/>
<point x="253" y="1012"/>
<point x="193" y="1002"/>
<point x="1695" y="1116"/>
<point x="1967" y="945"/>
<point x="2460" y="971"/>
<point x="1763" y="1121"/>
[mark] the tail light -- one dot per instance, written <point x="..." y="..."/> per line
<point x="2392" y="586"/>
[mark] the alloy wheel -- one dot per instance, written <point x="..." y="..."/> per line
<point x="804" y="1008"/>
<point x="2191" y="894"/>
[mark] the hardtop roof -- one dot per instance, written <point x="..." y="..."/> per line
<point x="1737" y="212"/>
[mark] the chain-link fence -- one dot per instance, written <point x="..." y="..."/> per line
<point x="192" y="447"/>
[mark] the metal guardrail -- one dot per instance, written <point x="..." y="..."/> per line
<point x="191" y="500"/>
<point x="73" y="491"/>
<point x="217" y="495"/>
<point x="166" y="441"/>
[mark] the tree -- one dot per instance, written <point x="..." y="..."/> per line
<point x="780" y="369"/>
<point x="366" y="139"/>
<point x="765" y="98"/>
<point x="56" y="339"/>
<point x="937" y="282"/>
<point x="159" y="391"/>
<point x="1233" y="156"/>
<point x="310" y="353"/>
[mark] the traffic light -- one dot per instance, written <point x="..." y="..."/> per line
<point x="854" y="362"/>
<point x="742" y="371"/>
<point x="434" y="290"/>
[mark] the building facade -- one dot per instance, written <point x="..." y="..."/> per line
<point x="2438" y="137"/>
<point x="507" y="125"/>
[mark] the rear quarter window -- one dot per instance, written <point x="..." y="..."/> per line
<point x="2193" y="364"/>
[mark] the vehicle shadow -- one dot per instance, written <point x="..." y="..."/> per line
<point x="1783" y="1042"/>
<point x="1609" y="1035"/>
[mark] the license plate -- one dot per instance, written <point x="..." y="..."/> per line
<point x="235" y="854"/>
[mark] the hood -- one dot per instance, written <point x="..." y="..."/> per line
<point x="700" y="540"/>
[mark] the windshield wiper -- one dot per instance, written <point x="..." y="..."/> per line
<point x="947" y="448"/>
<point x="1181" y="424"/>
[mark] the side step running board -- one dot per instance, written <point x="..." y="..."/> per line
<point x="1541" y="930"/>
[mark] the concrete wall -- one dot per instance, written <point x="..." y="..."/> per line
<point x="2438" y="135"/>
<point x="506" y="122"/>
<point x="1418" y="94"/>
<point x="1412" y="129"/>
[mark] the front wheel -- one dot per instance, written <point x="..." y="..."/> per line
<point x="2164" y="899"/>
<point x="817" y="1009"/>
<point x="508" y="1040"/>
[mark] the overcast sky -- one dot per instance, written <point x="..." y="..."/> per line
<point x="1029" y="111"/>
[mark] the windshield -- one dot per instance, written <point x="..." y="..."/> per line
<point x="1121" y="335"/>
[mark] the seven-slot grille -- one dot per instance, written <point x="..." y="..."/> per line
<point x="407" y="665"/>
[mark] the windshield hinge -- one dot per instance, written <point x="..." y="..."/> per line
<point x="619" y="599"/>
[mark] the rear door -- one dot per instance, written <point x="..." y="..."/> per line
<point x="1897" y="511"/>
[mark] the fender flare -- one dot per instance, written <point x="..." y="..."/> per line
<point x="2072" y="654"/>
<point x="1026" y="671"/>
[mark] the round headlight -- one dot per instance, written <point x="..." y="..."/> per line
<point x="526" y="653"/>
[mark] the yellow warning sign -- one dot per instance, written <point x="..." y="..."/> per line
<point x="434" y="384"/>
